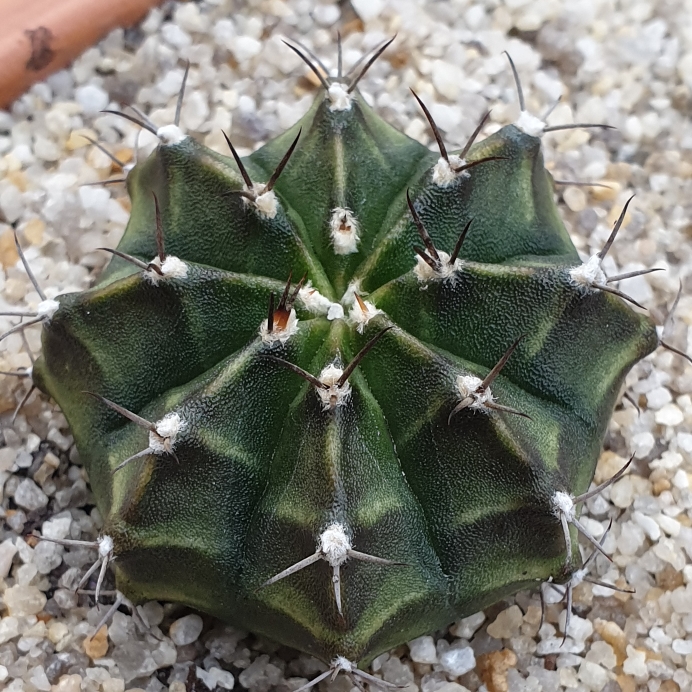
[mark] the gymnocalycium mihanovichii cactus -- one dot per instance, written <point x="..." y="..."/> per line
<point x="345" y="390"/>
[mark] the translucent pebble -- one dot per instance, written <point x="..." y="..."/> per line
<point x="682" y="646"/>
<point x="69" y="683"/>
<point x="170" y="83"/>
<point x="368" y="9"/>
<point x="175" y="36"/>
<point x="224" y="32"/>
<point x="631" y="538"/>
<point x="9" y="628"/>
<point x="681" y="479"/>
<point x="11" y="203"/>
<point x="57" y="528"/>
<point x="580" y="629"/>
<point x="575" y="198"/>
<point x="602" y="653"/>
<point x="260" y="675"/>
<point x="466" y="627"/>
<point x="47" y="556"/>
<point x="507" y="623"/>
<point x="446" y="117"/>
<point x="396" y="672"/>
<point x="635" y="663"/>
<point x="651" y="528"/>
<point x="189" y="18"/>
<point x="195" y="111"/>
<point x="666" y="550"/>
<point x="622" y="493"/>
<point x="134" y="660"/>
<point x="7" y="553"/>
<point x="668" y="524"/>
<point x="457" y="661"/>
<point x="113" y="685"/>
<point x="165" y="654"/>
<point x="642" y="444"/>
<point x="657" y="398"/>
<point x="153" y="613"/>
<point x="216" y="677"/>
<point x="244" y="48"/>
<point x="517" y="683"/>
<point x="29" y="496"/>
<point x="326" y="14"/>
<point x="447" y="79"/>
<point x="422" y="650"/>
<point x="121" y="629"/>
<point x="39" y="680"/>
<point x="670" y="414"/>
<point x="450" y="687"/>
<point x="25" y="574"/>
<point x="24" y="600"/>
<point x="91" y="98"/>
<point x="46" y="149"/>
<point x="548" y="679"/>
<point x="65" y="599"/>
<point x="94" y="201"/>
<point x="593" y="676"/>
<point x="186" y="630"/>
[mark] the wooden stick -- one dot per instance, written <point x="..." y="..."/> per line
<point x="39" y="37"/>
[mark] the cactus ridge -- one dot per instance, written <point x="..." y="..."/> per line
<point x="424" y="420"/>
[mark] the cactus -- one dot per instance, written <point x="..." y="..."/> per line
<point x="350" y="459"/>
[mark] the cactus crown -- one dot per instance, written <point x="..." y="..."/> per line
<point x="398" y="438"/>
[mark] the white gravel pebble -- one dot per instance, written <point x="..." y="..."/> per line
<point x="422" y="650"/>
<point x="91" y="98"/>
<point x="29" y="496"/>
<point x="458" y="660"/>
<point x="466" y="627"/>
<point x="186" y="630"/>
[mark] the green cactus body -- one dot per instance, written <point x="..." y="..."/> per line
<point x="405" y="496"/>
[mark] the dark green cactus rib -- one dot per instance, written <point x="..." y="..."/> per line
<point x="448" y="501"/>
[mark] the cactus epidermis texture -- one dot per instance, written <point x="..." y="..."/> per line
<point x="350" y="461"/>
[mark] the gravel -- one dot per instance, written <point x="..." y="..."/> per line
<point x="628" y="64"/>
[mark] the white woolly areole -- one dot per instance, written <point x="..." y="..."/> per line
<point x="105" y="544"/>
<point x="350" y="293"/>
<point x="167" y="430"/>
<point x="171" y="134"/>
<point x="344" y="230"/>
<point x="174" y="268"/>
<point x="342" y="663"/>
<point x="335" y="312"/>
<point x="443" y="173"/>
<point x="563" y="504"/>
<point x="334" y="395"/>
<point x="265" y="202"/>
<point x="171" y="268"/>
<point x="424" y="272"/>
<point x="530" y="124"/>
<point x="589" y="273"/>
<point x="313" y="300"/>
<point x="318" y="304"/>
<point x="360" y="317"/>
<point x="334" y="545"/>
<point x="278" y="334"/>
<point x="468" y="386"/>
<point x="339" y="98"/>
<point x="47" y="308"/>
